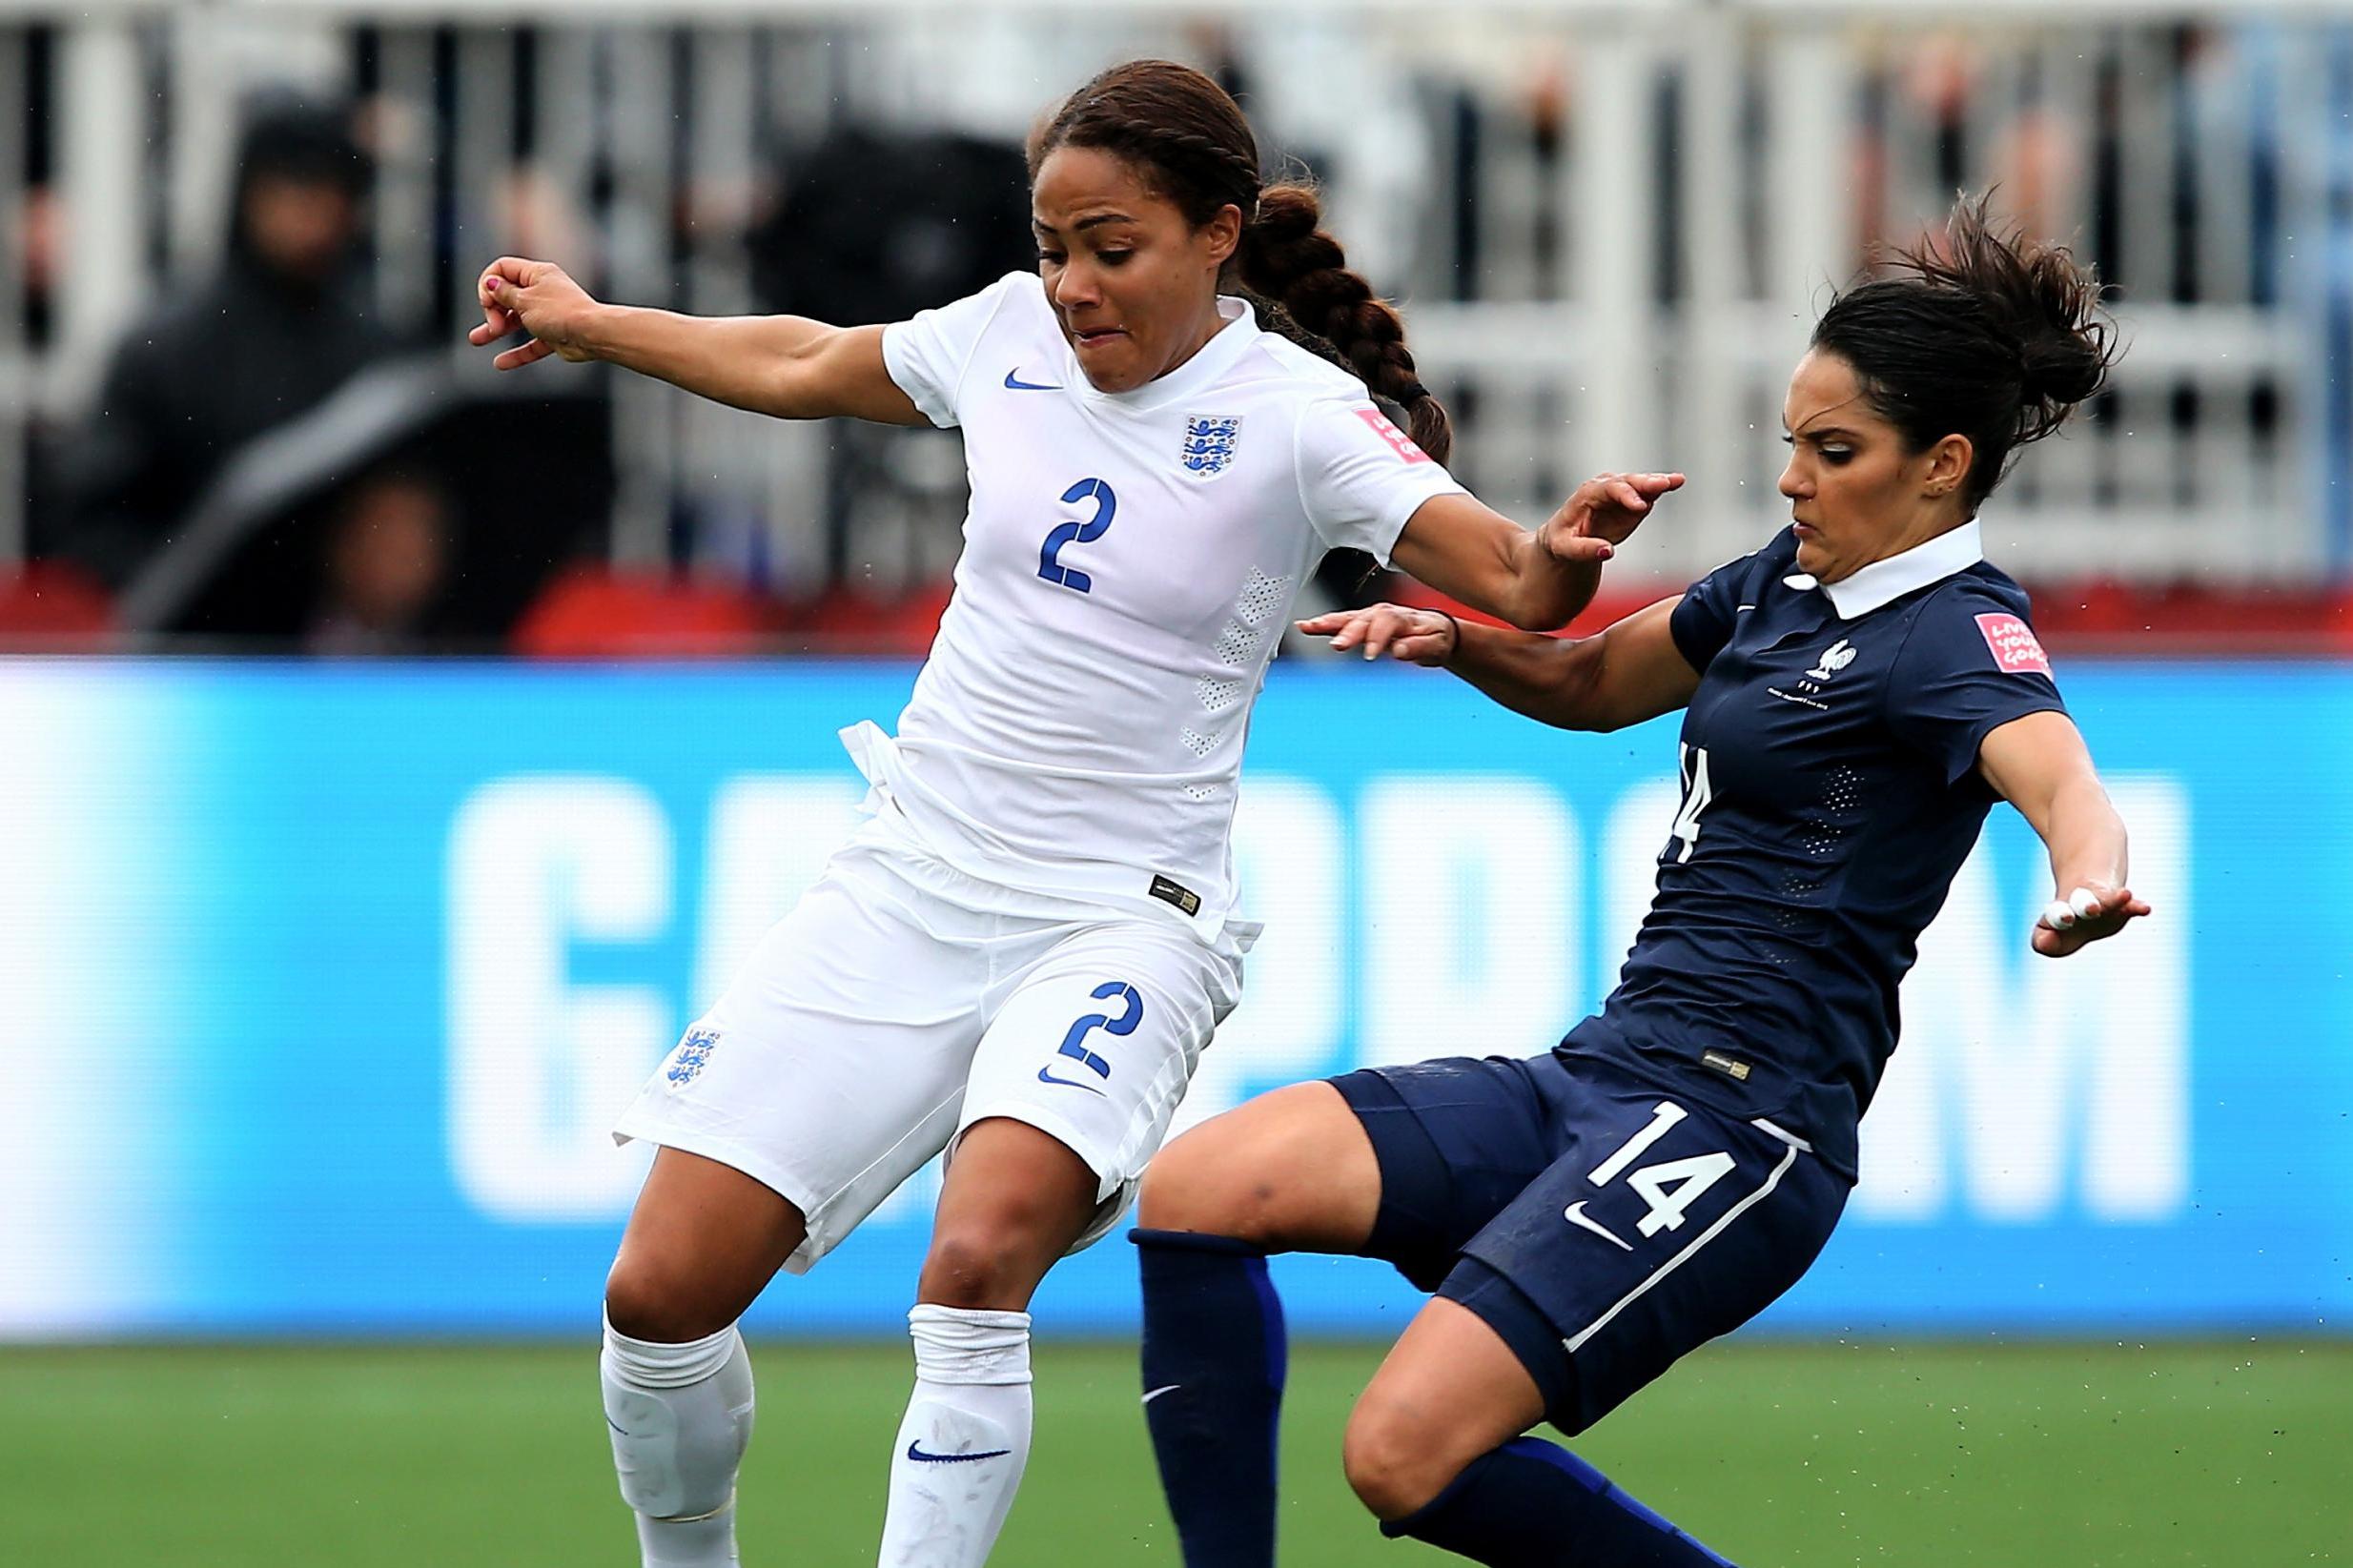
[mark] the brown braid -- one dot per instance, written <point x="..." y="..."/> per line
<point x="1286" y="257"/>
<point x="1188" y="136"/>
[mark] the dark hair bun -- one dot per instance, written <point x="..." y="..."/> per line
<point x="2038" y="299"/>
<point x="2065" y="348"/>
<point x="1983" y="333"/>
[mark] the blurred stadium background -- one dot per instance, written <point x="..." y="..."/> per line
<point x="393" y="757"/>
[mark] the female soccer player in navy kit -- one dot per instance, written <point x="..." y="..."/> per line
<point x="1020" y="954"/>
<point x="1857" y="696"/>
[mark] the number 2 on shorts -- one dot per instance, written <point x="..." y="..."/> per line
<point x="1074" y="1044"/>
<point x="1670" y="1186"/>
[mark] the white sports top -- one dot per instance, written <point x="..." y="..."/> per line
<point x="1129" y="564"/>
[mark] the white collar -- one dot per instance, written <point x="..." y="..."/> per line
<point x="1883" y="582"/>
<point x="1239" y="329"/>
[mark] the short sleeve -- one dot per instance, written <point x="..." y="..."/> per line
<point x="928" y="355"/>
<point x="1969" y="666"/>
<point x="1701" y="624"/>
<point x="1360" y="478"/>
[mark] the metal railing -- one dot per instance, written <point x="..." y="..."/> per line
<point x="1618" y="222"/>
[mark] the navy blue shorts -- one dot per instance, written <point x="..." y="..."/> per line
<point x="1602" y="1226"/>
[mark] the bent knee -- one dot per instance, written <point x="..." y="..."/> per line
<point x="1184" y="1189"/>
<point x="984" y="1267"/>
<point x="1212" y="1184"/>
<point x="1395" y="1463"/>
<point x="1293" y="1168"/>
<point x="644" y="1301"/>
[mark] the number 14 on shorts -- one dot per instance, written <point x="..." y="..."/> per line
<point x="1668" y="1186"/>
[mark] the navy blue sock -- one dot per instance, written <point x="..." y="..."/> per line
<point x="1529" y="1504"/>
<point x="1213" y="1354"/>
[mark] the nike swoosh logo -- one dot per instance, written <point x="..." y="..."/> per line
<point x="1165" y="1388"/>
<point x="915" y="1451"/>
<point x="1046" y="1076"/>
<point x="1014" y="383"/>
<point x="1575" y="1214"/>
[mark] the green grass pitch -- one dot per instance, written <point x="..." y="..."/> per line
<point x="2231" y="1453"/>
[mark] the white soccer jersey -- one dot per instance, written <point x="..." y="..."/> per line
<point x="1129" y="564"/>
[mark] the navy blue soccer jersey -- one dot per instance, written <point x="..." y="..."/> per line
<point x="1829" y="794"/>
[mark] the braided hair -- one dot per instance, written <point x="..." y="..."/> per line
<point x="1186" y="135"/>
<point x="1989" y="335"/>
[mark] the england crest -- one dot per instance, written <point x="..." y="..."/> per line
<point x="1209" y="441"/>
<point x="694" y="1054"/>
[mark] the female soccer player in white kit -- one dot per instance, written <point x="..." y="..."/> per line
<point x="1021" y="952"/>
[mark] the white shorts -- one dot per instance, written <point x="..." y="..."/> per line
<point x="901" y="1001"/>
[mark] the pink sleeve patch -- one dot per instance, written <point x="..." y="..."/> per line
<point x="1399" y="442"/>
<point x="2014" y="645"/>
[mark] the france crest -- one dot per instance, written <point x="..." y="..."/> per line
<point x="1209" y="441"/>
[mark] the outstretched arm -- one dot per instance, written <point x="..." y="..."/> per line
<point x="782" y="365"/>
<point x="1629" y="671"/>
<point x="2039" y="764"/>
<point x="1472" y="553"/>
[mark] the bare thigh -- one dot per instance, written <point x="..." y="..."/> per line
<point x="1290" y="1172"/>
<point x="703" y="1242"/>
<point x="1014" y="1200"/>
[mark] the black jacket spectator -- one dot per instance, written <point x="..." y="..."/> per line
<point x="264" y="341"/>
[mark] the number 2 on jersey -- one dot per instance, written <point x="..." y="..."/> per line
<point x="1049" y="562"/>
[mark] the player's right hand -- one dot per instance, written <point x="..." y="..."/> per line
<point x="1419" y="636"/>
<point x="1607" y="507"/>
<point x="538" y="298"/>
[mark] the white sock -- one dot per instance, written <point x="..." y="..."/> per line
<point x="958" y="1455"/>
<point x="680" y="1417"/>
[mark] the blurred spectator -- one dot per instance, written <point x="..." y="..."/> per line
<point x="38" y="234"/>
<point x="386" y="557"/>
<point x="2035" y="161"/>
<point x="1329" y="94"/>
<point x="262" y="342"/>
<point x="874" y="224"/>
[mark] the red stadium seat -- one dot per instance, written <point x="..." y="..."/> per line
<point x="593" y="612"/>
<point x="846" y="621"/>
<point x="2182" y="620"/>
<point x="46" y="606"/>
<point x="2095" y="618"/>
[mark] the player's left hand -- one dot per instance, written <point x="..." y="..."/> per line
<point x="1602" y="513"/>
<point x="2086" y="915"/>
<point x="1419" y="636"/>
